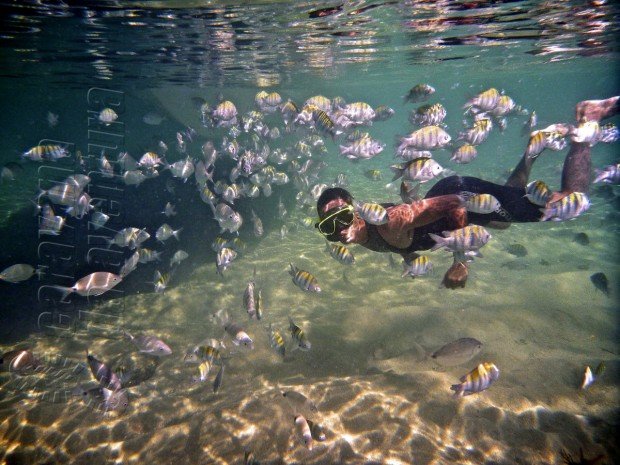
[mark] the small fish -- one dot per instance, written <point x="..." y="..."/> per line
<point x="609" y="133"/>
<point x="153" y="119"/>
<point x="538" y="193"/>
<point x="98" y="219"/>
<point x="303" y="279"/>
<point x="477" y="380"/>
<point x="169" y="210"/>
<point x="276" y="341"/>
<point x="94" y="284"/>
<point x="107" y="116"/>
<point x="457" y="352"/>
<point x="17" y="273"/>
<point x="428" y="115"/>
<point x="106" y="167"/>
<point x="204" y="352"/>
<point x="383" y="113"/>
<point x="149" y="344"/>
<point x="485" y="101"/>
<point x="130" y="265"/>
<point x="419" y="93"/>
<point x="601" y="282"/>
<point x="203" y="372"/>
<point x="165" y="232"/>
<point x="303" y="431"/>
<point x="462" y="240"/>
<point x="249" y="299"/>
<point x="46" y="152"/>
<point x="464" y="154"/>
<point x="420" y="169"/>
<point x="298" y="335"/>
<point x="482" y="203"/>
<point x="283" y="231"/>
<point x="178" y="257"/>
<point x="224" y="259"/>
<point x="610" y="174"/>
<point x="238" y="335"/>
<point x="581" y="238"/>
<point x="418" y="267"/>
<point x="103" y="374"/>
<point x="148" y="255"/>
<point x="426" y="138"/>
<point x="260" y="306"/>
<point x="150" y="160"/>
<point x="318" y="434"/>
<point x="133" y="177"/>
<point x="567" y="208"/>
<point x="600" y="369"/>
<point x="374" y="175"/>
<point x="104" y="399"/>
<point x="340" y="253"/>
<point x="217" y="383"/>
<point x="478" y="133"/>
<point x="258" y="224"/>
<point x="228" y="219"/>
<point x="161" y="280"/>
<point x="372" y="213"/>
<point x="588" y="378"/>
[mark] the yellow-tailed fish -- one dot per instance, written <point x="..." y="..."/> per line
<point x="277" y="341"/>
<point x="538" y="193"/>
<point x="340" y="253"/>
<point x="477" y="380"/>
<point x="462" y="240"/>
<point x="299" y="336"/>
<point x="420" y="169"/>
<point x="428" y="115"/>
<point x="482" y="203"/>
<point x="418" y="267"/>
<point x="426" y="138"/>
<point x="303" y="279"/>
<point x="419" y="93"/>
<point x="567" y="208"/>
<point x="484" y="101"/>
<point x="478" y="133"/>
<point x="372" y="213"/>
<point x="464" y="154"/>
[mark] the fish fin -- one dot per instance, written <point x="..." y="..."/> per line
<point x="439" y="241"/>
<point x="176" y="233"/>
<point x="398" y="172"/>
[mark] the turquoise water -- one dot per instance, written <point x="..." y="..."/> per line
<point x="379" y="395"/>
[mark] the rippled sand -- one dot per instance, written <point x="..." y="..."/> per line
<point x="379" y="396"/>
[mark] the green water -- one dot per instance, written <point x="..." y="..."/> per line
<point x="379" y="396"/>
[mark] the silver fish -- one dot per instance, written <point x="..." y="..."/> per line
<point x="165" y="232"/>
<point x="228" y="219"/>
<point x="457" y="352"/>
<point x="102" y="398"/>
<point x="103" y="374"/>
<point x="94" y="284"/>
<point x="238" y="335"/>
<point x="130" y="264"/>
<point x="258" y="225"/>
<point x="249" y="300"/>
<point x="178" y="257"/>
<point x="149" y="344"/>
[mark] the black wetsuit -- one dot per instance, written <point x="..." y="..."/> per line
<point x="515" y="208"/>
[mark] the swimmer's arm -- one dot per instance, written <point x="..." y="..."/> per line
<point x="426" y="211"/>
<point x="356" y="233"/>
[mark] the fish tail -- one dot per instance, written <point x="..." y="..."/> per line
<point x="176" y="233"/>
<point x="398" y="172"/>
<point x="458" y="390"/>
<point x="439" y="241"/>
<point x="547" y="213"/>
<point x="292" y="269"/>
<point x="65" y="291"/>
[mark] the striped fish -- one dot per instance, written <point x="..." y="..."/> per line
<point x="320" y="102"/>
<point x="477" y="380"/>
<point x="482" y="203"/>
<point x="505" y="105"/>
<point x="538" y="193"/>
<point x="478" y="133"/>
<point x="46" y="152"/>
<point x="107" y="116"/>
<point x="464" y="154"/>
<point x="609" y="133"/>
<point x="202" y="353"/>
<point x="418" y="267"/>
<point x="462" y="240"/>
<point x="420" y="169"/>
<point x="260" y="97"/>
<point x="426" y="138"/>
<point x="610" y="174"/>
<point x="272" y="99"/>
<point x="359" y="111"/>
<point x="303" y="279"/>
<point x="299" y="336"/>
<point x="484" y="101"/>
<point x="340" y="253"/>
<point x="276" y="341"/>
<point x="567" y="208"/>
<point x="203" y="372"/>
<point x="372" y="213"/>
<point x="428" y="115"/>
<point x="225" y="111"/>
<point x="324" y="124"/>
<point x="419" y="93"/>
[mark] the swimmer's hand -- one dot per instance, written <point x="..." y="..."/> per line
<point x="356" y="233"/>
<point x="456" y="276"/>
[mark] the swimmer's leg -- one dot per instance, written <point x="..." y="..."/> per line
<point x="521" y="173"/>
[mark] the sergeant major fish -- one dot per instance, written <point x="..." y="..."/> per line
<point x="462" y="240"/>
<point x="418" y="267"/>
<point x="477" y="380"/>
<point x="567" y="208"/>
<point x="340" y="253"/>
<point x="298" y="335"/>
<point x="303" y="279"/>
<point x="372" y="213"/>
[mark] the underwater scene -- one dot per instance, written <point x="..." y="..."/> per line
<point x="309" y="232"/>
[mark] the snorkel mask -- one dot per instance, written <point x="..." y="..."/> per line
<point x="336" y="220"/>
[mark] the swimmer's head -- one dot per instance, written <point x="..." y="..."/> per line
<point x="335" y="210"/>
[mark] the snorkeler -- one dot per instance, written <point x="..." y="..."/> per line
<point x="408" y="226"/>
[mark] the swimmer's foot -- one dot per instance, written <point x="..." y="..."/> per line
<point x="597" y="110"/>
<point x="456" y="276"/>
